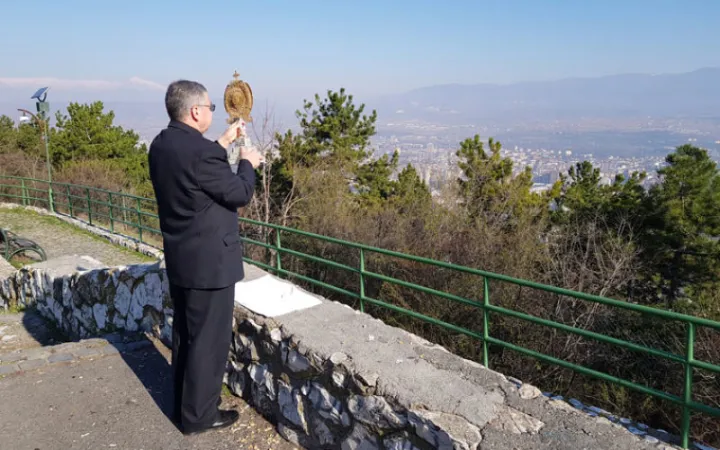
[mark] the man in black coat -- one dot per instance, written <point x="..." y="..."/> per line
<point x="198" y="196"/>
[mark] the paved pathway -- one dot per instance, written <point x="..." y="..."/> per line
<point x="59" y="238"/>
<point x="114" y="393"/>
<point x="24" y="331"/>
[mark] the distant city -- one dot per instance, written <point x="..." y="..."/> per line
<point x="431" y="148"/>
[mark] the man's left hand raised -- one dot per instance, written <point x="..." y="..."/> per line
<point x="233" y="132"/>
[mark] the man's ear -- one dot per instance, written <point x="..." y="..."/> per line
<point x="194" y="113"/>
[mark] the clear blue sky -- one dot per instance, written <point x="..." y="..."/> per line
<point x="367" y="46"/>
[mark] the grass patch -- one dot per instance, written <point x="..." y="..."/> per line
<point x="13" y="310"/>
<point x="18" y="226"/>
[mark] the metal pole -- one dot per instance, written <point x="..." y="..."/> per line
<point x="278" y="257"/>
<point x="486" y="322"/>
<point x="362" y="280"/>
<point x="47" y="159"/>
<point x="44" y="131"/>
<point x="687" y="392"/>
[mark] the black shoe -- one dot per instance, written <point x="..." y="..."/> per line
<point x="224" y="419"/>
<point x="177" y="417"/>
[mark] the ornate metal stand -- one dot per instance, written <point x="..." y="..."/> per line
<point x="238" y="104"/>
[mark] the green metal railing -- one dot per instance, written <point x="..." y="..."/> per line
<point x="103" y="204"/>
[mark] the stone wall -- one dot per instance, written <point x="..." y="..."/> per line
<point x="96" y="301"/>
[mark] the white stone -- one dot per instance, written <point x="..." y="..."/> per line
<point x="66" y="293"/>
<point x="122" y="299"/>
<point x="263" y="379"/>
<point x="369" y="379"/>
<point x="138" y="301"/>
<point x="338" y="378"/>
<point x="154" y="290"/>
<point x="297" y="362"/>
<point x="276" y="335"/>
<point x="529" y="392"/>
<point x="118" y="321"/>
<point x="100" y="315"/>
<point x="510" y="420"/>
<point x="131" y="324"/>
<point x="445" y="431"/>
<point x="326" y="405"/>
<point x="375" y="411"/>
<point x="291" y="405"/>
<point x="338" y="357"/>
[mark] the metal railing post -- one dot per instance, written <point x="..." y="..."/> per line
<point x="110" y="208"/>
<point x="139" y="219"/>
<point x="51" y="204"/>
<point x="278" y="260"/>
<point x="124" y="211"/>
<point x="69" y="199"/>
<point x="89" y="207"/>
<point x="687" y="391"/>
<point x="486" y="321"/>
<point x="362" y="280"/>
<point x="22" y="190"/>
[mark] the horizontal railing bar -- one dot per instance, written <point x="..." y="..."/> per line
<point x="94" y="189"/>
<point x="259" y="264"/>
<point x="254" y="242"/>
<point x="425" y="289"/>
<point x="586" y="333"/>
<point x="425" y="318"/>
<point x="302" y="255"/>
<point x="704" y="409"/>
<point x="584" y="370"/>
<point x="27" y="188"/>
<point x="705" y="365"/>
<point x="318" y="259"/>
<point x="17" y="196"/>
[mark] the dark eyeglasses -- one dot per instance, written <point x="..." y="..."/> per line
<point x="211" y="106"/>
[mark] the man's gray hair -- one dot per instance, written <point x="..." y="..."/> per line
<point x="182" y="95"/>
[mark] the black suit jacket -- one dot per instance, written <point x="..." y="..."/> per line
<point x="197" y="196"/>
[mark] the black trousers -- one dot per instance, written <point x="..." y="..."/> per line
<point x="202" y="333"/>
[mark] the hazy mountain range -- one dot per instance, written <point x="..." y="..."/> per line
<point x="694" y="94"/>
<point x="686" y="95"/>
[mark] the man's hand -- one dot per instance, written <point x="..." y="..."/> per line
<point x="253" y="156"/>
<point x="233" y="132"/>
